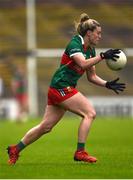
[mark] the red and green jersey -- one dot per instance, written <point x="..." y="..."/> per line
<point x="20" y="84"/>
<point x="69" y="72"/>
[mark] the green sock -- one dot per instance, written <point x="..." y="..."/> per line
<point x="21" y="146"/>
<point x="80" y="146"/>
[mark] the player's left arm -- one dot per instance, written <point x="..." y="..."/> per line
<point x="94" y="78"/>
<point x="113" y="85"/>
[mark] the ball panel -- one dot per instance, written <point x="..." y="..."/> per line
<point x="119" y="63"/>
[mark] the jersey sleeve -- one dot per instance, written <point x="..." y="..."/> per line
<point x="73" y="48"/>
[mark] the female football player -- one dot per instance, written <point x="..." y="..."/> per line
<point x="79" y="57"/>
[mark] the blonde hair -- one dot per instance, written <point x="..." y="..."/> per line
<point x="85" y="24"/>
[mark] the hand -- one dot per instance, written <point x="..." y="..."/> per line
<point x="110" y="54"/>
<point x="115" y="86"/>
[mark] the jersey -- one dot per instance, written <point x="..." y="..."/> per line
<point x="69" y="72"/>
<point x="20" y="82"/>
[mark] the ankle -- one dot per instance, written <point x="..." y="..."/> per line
<point x="20" y="146"/>
<point x="80" y="146"/>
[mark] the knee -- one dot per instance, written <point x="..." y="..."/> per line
<point x="91" y="114"/>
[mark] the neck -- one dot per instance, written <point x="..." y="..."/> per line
<point x="86" y="42"/>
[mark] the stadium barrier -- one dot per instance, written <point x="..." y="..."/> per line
<point x="8" y="109"/>
<point x="121" y="106"/>
<point x="105" y="106"/>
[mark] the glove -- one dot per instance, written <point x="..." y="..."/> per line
<point x="110" y="54"/>
<point x="115" y="86"/>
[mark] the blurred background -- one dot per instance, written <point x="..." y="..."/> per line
<point x="33" y="34"/>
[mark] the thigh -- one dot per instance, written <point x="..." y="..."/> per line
<point x="78" y="104"/>
<point x="52" y="115"/>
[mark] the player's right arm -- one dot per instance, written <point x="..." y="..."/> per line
<point x="74" y="51"/>
<point x="87" y="63"/>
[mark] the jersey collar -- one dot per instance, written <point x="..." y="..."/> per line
<point x="82" y="40"/>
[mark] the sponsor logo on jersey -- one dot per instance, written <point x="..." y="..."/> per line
<point x="75" y="50"/>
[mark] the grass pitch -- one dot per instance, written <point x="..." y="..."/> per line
<point x="110" y="140"/>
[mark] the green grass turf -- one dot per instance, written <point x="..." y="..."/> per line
<point x="110" y="140"/>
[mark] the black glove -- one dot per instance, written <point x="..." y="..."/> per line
<point x="115" y="86"/>
<point x="110" y="54"/>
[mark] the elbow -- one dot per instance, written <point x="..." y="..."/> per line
<point x="84" y="66"/>
<point x="91" y="78"/>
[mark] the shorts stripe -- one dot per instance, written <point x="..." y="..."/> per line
<point x="62" y="92"/>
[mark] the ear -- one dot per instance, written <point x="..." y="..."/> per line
<point x="88" y="33"/>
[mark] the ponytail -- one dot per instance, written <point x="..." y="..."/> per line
<point x="85" y="24"/>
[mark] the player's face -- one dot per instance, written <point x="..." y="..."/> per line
<point x="95" y="36"/>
